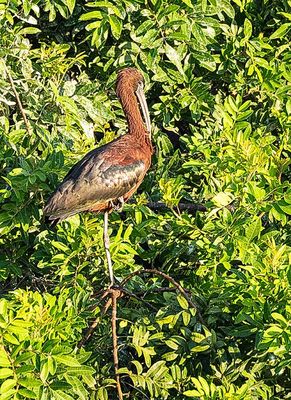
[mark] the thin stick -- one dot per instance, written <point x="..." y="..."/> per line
<point x="122" y="292"/>
<point x="92" y="327"/>
<point x="107" y="250"/>
<point x="88" y="333"/>
<point x="26" y="123"/>
<point x="192" y="208"/>
<point x="127" y="292"/>
<point x="170" y="279"/>
<point x="114" y="295"/>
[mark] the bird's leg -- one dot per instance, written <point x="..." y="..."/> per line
<point x="106" y="246"/>
<point x="121" y="203"/>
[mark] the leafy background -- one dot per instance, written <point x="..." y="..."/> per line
<point x="217" y="79"/>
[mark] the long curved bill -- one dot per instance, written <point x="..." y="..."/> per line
<point x="144" y="108"/>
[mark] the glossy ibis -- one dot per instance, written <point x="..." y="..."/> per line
<point x="108" y="175"/>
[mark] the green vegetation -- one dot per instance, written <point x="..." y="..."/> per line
<point x="217" y="79"/>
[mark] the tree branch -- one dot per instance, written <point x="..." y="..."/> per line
<point x="192" y="208"/>
<point x="170" y="279"/>
<point x="122" y="291"/>
<point x="25" y="120"/>
<point x="115" y="293"/>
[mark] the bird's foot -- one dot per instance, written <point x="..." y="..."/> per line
<point x="118" y="204"/>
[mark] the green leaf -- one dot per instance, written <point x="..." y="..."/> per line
<point x="248" y="29"/>
<point x="198" y="349"/>
<point x="183" y="302"/>
<point x="60" y="246"/>
<point x="71" y="5"/>
<point x="188" y="3"/>
<point x="29" y="31"/>
<point x="4" y="360"/>
<point x="60" y="395"/>
<point x="253" y="229"/>
<point x="67" y="360"/>
<point x="175" y="58"/>
<point x="116" y="26"/>
<point x="29" y="394"/>
<point x="44" y="371"/>
<point x="278" y="317"/>
<point x="158" y="366"/>
<point x="172" y="344"/>
<point x="60" y="385"/>
<point x="273" y="331"/>
<point x="83" y="370"/>
<point x="30" y="382"/>
<point x="222" y="199"/>
<point x="192" y="393"/>
<point x="5" y="372"/>
<point x="7" y="385"/>
<point x="108" y="5"/>
<point x="285" y="207"/>
<point x="91" y="15"/>
<point x="281" y="31"/>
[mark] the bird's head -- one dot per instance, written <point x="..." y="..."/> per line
<point x="131" y="79"/>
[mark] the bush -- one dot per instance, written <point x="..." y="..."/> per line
<point x="217" y="79"/>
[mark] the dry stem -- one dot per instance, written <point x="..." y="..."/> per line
<point x="192" y="208"/>
<point x="170" y="279"/>
<point x="115" y="293"/>
<point x="26" y="123"/>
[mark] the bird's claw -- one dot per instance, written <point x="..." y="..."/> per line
<point x="118" y="205"/>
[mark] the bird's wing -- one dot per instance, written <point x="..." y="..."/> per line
<point x="94" y="180"/>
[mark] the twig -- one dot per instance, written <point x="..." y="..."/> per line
<point x="108" y="303"/>
<point x="88" y="333"/>
<point x="190" y="207"/>
<point x="170" y="279"/>
<point x="96" y="321"/>
<point x="115" y="293"/>
<point x="156" y="290"/>
<point x="135" y="296"/>
<point x="26" y="123"/>
<point x="122" y="291"/>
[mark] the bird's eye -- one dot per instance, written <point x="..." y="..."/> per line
<point x="140" y="85"/>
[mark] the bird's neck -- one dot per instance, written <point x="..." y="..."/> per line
<point x="132" y="112"/>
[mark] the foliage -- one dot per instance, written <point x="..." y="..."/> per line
<point x="217" y="78"/>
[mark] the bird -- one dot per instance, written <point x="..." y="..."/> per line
<point x="108" y="175"/>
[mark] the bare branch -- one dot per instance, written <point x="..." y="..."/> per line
<point x="25" y="120"/>
<point x="170" y="279"/>
<point x="115" y="293"/>
<point x="135" y="296"/>
<point x="122" y="291"/>
<point x="192" y="208"/>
